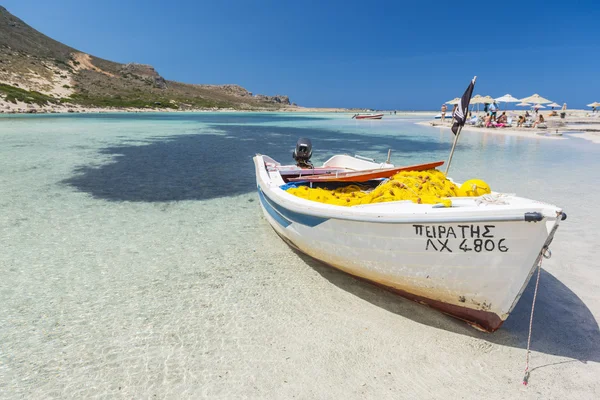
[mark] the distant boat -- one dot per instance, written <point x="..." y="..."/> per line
<point x="367" y="116"/>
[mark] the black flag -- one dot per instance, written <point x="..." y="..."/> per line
<point x="460" y="115"/>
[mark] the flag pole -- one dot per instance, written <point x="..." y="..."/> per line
<point x="453" y="147"/>
<point x="466" y="112"/>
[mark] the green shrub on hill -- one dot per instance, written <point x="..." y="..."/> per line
<point x="14" y="94"/>
<point x="120" y="102"/>
<point x="144" y="100"/>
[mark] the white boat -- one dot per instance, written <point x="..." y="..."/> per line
<point x="472" y="260"/>
<point x="367" y="116"/>
<point x="448" y="115"/>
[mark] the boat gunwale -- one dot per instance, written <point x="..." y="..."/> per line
<point x="429" y="214"/>
<point x="408" y="217"/>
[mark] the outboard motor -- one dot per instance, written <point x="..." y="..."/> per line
<point x="303" y="153"/>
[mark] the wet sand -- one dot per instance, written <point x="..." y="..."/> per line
<point x="126" y="273"/>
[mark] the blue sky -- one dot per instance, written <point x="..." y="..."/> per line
<point x="387" y="55"/>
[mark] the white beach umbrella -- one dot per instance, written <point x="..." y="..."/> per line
<point x="523" y="104"/>
<point x="488" y="99"/>
<point x="595" y="104"/>
<point x="456" y="100"/>
<point x="536" y="99"/>
<point x="538" y="106"/>
<point x="477" y="99"/>
<point x="507" y="98"/>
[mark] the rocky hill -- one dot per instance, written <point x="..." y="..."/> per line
<point x="37" y="70"/>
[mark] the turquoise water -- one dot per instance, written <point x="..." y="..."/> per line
<point x="136" y="261"/>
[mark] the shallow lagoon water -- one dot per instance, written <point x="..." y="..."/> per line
<point x="135" y="262"/>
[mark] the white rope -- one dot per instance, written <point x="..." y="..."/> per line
<point x="537" y="282"/>
<point x="495" y="198"/>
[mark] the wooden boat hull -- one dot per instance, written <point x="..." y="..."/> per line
<point x="366" y="175"/>
<point x="472" y="264"/>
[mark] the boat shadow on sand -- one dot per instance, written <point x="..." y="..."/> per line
<point x="562" y="323"/>
<point x="219" y="163"/>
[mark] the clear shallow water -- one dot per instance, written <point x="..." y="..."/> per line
<point x="135" y="262"/>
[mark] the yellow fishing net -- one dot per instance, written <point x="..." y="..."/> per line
<point x="422" y="187"/>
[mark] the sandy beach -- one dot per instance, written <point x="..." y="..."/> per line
<point x="580" y="123"/>
<point x="19" y="107"/>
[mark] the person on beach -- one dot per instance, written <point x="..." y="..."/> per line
<point x="444" y="109"/>
<point x="487" y="121"/>
<point x="493" y="109"/>
<point x="540" y="120"/>
<point x="521" y="121"/>
<point x="454" y="111"/>
<point x="499" y="122"/>
<point x="503" y="119"/>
